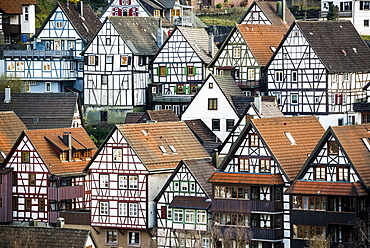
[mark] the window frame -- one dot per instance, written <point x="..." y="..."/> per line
<point x="122" y="209"/>
<point x="103" y="208"/>
<point x="133" y="182"/>
<point x="212" y="103"/>
<point x="333" y="148"/>
<point x="135" y="239"/>
<point x="264" y="165"/>
<point x="124" y="184"/>
<point x="343" y="174"/>
<point x="117" y="154"/>
<point x="294" y="98"/>
<point x="230" y="124"/>
<point x="253" y="141"/>
<point x="236" y="52"/>
<point x="320" y="173"/>
<point x="25" y="156"/>
<point x="103" y="181"/>
<point x="279" y="76"/>
<point x="216" y="125"/>
<point x="133" y="209"/>
<point x="32" y="179"/>
<point x="111" y="237"/>
<point x="243" y="164"/>
<point x="41" y="205"/>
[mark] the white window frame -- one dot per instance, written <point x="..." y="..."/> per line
<point x="294" y="99"/>
<point x="91" y="60"/>
<point x="47" y="87"/>
<point x="279" y="76"/>
<point x="184" y="187"/>
<point x="202" y="217"/>
<point x="133" y="182"/>
<point x="122" y="182"/>
<point x="113" y="234"/>
<point x="251" y="74"/>
<point x="133" y="209"/>
<point x="132" y="237"/>
<point x="178" y="215"/>
<point x="103" y="208"/>
<point x="122" y="209"/>
<point x="104" y="181"/>
<point x="189" y="216"/>
<point x="117" y="154"/>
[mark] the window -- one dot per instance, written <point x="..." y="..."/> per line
<point x="117" y="155"/>
<point x="122" y="182"/>
<point x="264" y="165"/>
<point x="243" y="164"/>
<point x="342" y="174"/>
<point x="180" y="89"/>
<point x="25" y="157"/>
<point x="190" y="71"/>
<point x="32" y="179"/>
<point x="366" y="23"/>
<point x="125" y="60"/>
<point x="231" y="219"/>
<point x="294" y="76"/>
<point x="193" y="89"/>
<point x="80" y="66"/>
<point x="134" y="238"/>
<point x="206" y="243"/>
<point x="253" y="140"/>
<point x="184" y="187"/>
<point x="192" y="187"/>
<point x="104" y="181"/>
<point x="15" y="203"/>
<point x="142" y="60"/>
<point x="345" y="6"/>
<point x="307" y="232"/>
<point x="104" y="208"/>
<point x="279" y="76"/>
<point x="107" y="41"/>
<point x="320" y="173"/>
<point x="104" y="79"/>
<point x="189" y="216"/>
<point x="294" y="98"/>
<point x="175" y="12"/>
<point x="122" y="209"/>
<point x="215" y="124"/>
<point x="92" y="60"/>
<point x="162" y="71"/>
<point x="41" y="205"/>
<point x="28" y="204"/>
<point x="229" y="125"/>
<point x="178" y="215"/>
<point x="210" y="85"/>
<point x="333" y="148"/>
<point x="59" y="24"/>
<point x="111" y="237"/>
<point x="231" y="192"/>
<point x="133" y="182"/>
<point x="157" y="13"/>
<point x="201" y="217"/>
<point x="26" y="14"/>
<point x="176" y="186"/>
<point x="236" y="52"/>
<point x="47" y="87"/>
<point x="87" y="154"/>
<point x="77" y="155"/>
<point x="364" y="5"/>
<point x="251" y="75"/>
<point x="277" y="194"/>
<point x="212" y="103"/>
<point x="109" y="59"/>
<point x="14" y="179"/>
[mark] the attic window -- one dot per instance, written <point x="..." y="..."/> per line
<point x="163" y="150"/>
<point x="310" y="33"/>
<point x="172" y="148"/>
<point x="273" y="49"/>
<point x="354" y="49"/>
<point x="196" y="46"/>
<point x="290" y="138"/>
<point x="366" y="142"/>
<point x="83" y="24"/>
<point x="145" y="132"/>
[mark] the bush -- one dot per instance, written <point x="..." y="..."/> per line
<point x="219" y="5"/>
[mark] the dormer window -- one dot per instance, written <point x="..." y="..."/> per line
<point x="87" y="154"/>
<point x="163" y="150"/>
<point x="290" y="138"/>
<point x="63" y="156"/>
<point x="77" y="155"/>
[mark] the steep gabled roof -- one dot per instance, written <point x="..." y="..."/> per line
<point x="47" y="141"/>
<point x="337" y="44"/>
<point x="201" y="169"/>
<point x="201" y="130"/>
<point x="14" y="6"/>
<point x="305" y="130"/>
<point x="326" y="188"/>
<point x="42" y="110"/>
<point x="140" y="33"/>
<point x="269" y="8"/>
<point x="44" y="236"/>
<point x="243" y="178"/>
<point x="146" y="139"/>
<point x="198" y="39"/>
<point x="262" y="39"/>
<point x="10" y="129"/>
<point x="163" y="115"/>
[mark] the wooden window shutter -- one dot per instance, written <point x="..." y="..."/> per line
<point x="166" y="71"/>
<point x="164" y="212"/>
<point x="128" y="2"/>
<point x="86" y="60"/>
<point x="336" y="99"/>
<point x="120" y="2"/>
<point x="129" y="60"/>
<point x="340" y="99"/>
<point x="361" y="5"/>
<point x="96" y="60"/>
<point x="195" y="70"/>
<point x="157" y="71"/>
<point x="341" y="6"/>
<point x="185" y="70"/>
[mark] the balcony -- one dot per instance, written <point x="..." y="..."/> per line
<point x="34" y="54"/>
<point x="245" y="206"/>
<point x="361" y="107"/>
<point x="77" y="217"/>
<point x="267" y="233"/>
<point x="69" y="192"/>
<point x="341" y="14"/>
<point x="321" y="218"/>
<point x="11" y="29"/>
<point x="248" y="84"/>
<point x="171" y="98"/>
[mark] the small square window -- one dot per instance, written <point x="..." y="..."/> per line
<point x="157" y="13"/>
<point x="111" y="238"/>
<point x="366" y="23"/>
<point x="243" y="164"/>
<point x="193" y="89"/>
<point x="25" y="157"/>
<point x="124" y="60"/>
<point x="210" y="85"/>
<point x="107" y="41"/>
<point x="122" y="182"/>
<point x="104" y="181"/>
<point x="294" y="98"/>
<point x="117" y="155"/>
<point x="264" y="165"/>
<point x="184" y="187"/>
<point x="253" y="140"/>
<point x="333" y="148"/>
<point x="133" y="182"/>
<point x="104" y="206"/>
<point x="190" y="71"/>
<point x="180" y="89"/>
<point x="46" y="66"/>
<point x="320" y="173"/>
<point x="109" y="59"/>
<point x="215" y="124"/>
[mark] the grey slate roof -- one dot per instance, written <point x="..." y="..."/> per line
<point x="241" y="103"/>
<point x="52" y="110"/>
<point x="229" y="88"/>
<point x="202" y="169"/>
<point x="337" y="44"/>
<point x="198" y="40"/>
<point x="88" y="20"/>
<point x="43" y="237"/>
<point x="139" y="33"/>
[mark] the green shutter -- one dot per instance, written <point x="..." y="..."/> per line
<point x="195" y="71"/>
<point x="166" y="71"/>
<point x="187" y="89"/>
<point x="157" y="69"/>
<point x="175" y="88"/>
<point x="186" y="70"/>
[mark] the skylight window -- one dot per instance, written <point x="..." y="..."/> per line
<point x="366" y="142"/>
<point x="290" y="138"/>
<point x="145" y="132"/>
<point x="163" y="150"/>
<point x="172" y="148"/>
<point x="273" y="49"/>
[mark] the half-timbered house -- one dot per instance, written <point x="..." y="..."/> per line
<point x="330" y="194"/>
<point x="320" y="68"/>
<point x="45" y="175"/>
<point x="52" y="63"/>
<point x="183" y="206"/>
<point x="125" y="8"/>
<point x="214" y="104"/>
<point x="268" y="13"/>
<point x="179" y="68"/>
<point x="245" y="52"/>
<point x="248" y="187"/>
<point x="17" y="21"/>
<point x="116" y="70"/>
<point x="127" y="173"/>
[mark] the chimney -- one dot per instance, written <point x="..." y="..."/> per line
<point x="80" y="8"/>
<point x="258" y="103"/>
<point x="215" y="157"/>
<point x="280" y="8"/>
<point x="8" y="96"/>
<point x="210" y="44"/>
<point x="67" y="140"/>
<point x="160" y="34"/>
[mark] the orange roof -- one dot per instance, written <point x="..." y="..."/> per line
<point x="45" y="139"/>
<point x="326" y="188"/>
<point x="261" y="39"/>
<point x="14" y="6"/>
<point x="244" y="178"/>
<point x="350" y="138"/>
<point x="146" y="138"/>
<point x="10" y="129"/>
<point x="305" y="130"/>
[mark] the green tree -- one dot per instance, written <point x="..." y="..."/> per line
<point x="13" y="82"/>
<point x="332" y="13"/>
